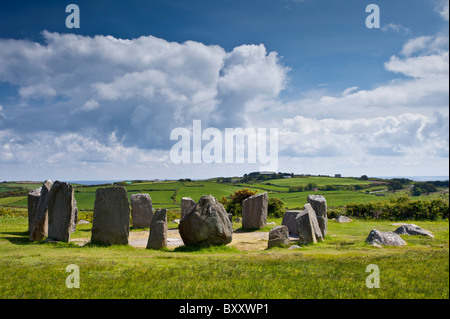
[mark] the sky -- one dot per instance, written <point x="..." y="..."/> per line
<point x="100" y="102"/>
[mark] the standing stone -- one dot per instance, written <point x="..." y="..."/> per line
<point x="278" y="237"/>
<point x="75" y="215"/>
<point x="206" y="225"/>
<point x="319" y="204"/>
<point x="111" y="223"/>
<point x="33" y="202"/>
<point x="307" y="226"/>
<point x="40" y="224"/>
<point x="387" y="238"/>
<point x="289" y="221"/>
<point x="187" y="205"/>
<point x="141" y="210"/>
<point x="62" y="211"/>
<point x="157" y="238"/>
<point x="254" y="211"/>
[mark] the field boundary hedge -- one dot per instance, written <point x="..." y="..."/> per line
<point x="402" y="208"/>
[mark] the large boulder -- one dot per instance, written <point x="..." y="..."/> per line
<point x="62" y="211"/>
<point x="40" y="224"/>
<point x="278" y="237"/>
<point x="33" y="202"/>
<point x="187" y="205"/>
<point x="206" y="225"/>
<point x="157" y="238"/>
<point x="289" y="221"/>
<point x="411" y="229"/>
<point x="307" y="226"/>
<point x="111" y="222"/>
<point x="254" y="211"/>
<point x="319" y="204"/>
<point x="141" y="210"/>
<point x="387" y="238"/>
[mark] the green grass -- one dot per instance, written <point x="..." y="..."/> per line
<point x="332" y="269"/>
<point x="334" y="198"/>
<point x="27" y="185"/>
<point x="14" y="201"/>
<point x="319" y="180"/>
<point x="168" y="194"/>
<point x="207" y="188"/>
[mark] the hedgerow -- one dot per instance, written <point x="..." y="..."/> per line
<point x="401" y="208"/>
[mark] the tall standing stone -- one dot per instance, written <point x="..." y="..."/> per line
<point x="33" y="202"/>
<point x="289" y="221"/>
<point x="254" y="211"/>
<point x="187" y="205"/>
<point x="141" y="210"/>
<point x="157" y="238"/>
<point x="206" y="225"/>
<point x="319" y="204"/>
<point x="111" y="222"/>
<point x="308" y="227"/>
<point x="62" y="211"/>
<point x="40" y="224"/>
<point x="75" y="215"/>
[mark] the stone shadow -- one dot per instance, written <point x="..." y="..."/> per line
<point x="17" y="237"/>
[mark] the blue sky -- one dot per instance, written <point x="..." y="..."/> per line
<point x="88" y="103"/>
<point x="323" y="42"/>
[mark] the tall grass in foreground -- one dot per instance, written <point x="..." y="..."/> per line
<point x="332" y="269"/>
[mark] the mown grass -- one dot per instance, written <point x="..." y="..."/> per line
<point x="332" y="269"/>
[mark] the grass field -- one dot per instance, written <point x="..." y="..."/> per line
<point x="168" y="194"/>
<point x="319" y="180"/>
<point x="335" y="268"/>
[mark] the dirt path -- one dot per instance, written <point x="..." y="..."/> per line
<point x="247" y="241"/>
<point x="241" y="240"/>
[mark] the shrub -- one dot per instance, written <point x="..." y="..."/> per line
<point x="421" y="187"/>
<point x="395" y="185"/>
<point x="275" y="208"/>
<point x="401" y="208"/>
<point x="234" y="205"/>
<point x="293" y="189"/>
<point x="6" y="211"/>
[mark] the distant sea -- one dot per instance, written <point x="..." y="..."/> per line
<point x="418" y="178"/>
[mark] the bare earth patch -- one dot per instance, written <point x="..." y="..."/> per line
<point x="246" y="241"/>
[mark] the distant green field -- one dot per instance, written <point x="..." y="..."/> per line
<point x="334" y="198"/>
<point x="208" y="188"/>
<point x="168" y="194"/>
<point x="8" y="185"/>
<point x="265" y="187"/>
<point x="14" y="201"/>
<point x="319" y="180"/>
